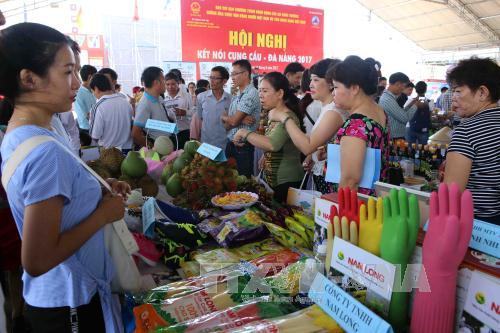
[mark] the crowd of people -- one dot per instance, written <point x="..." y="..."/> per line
<point x="67" y="270"/>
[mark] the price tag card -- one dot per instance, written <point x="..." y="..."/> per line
<point x="148" y="217"/>
<point x="90" y="153"/>
<point x="348" y="312"/>
<point x="214" y="153"/>
<point x="485" y="237"/>
<point x="376" y="274"/>
<point x="163" y="126"/>
<point x="371" y="166"/>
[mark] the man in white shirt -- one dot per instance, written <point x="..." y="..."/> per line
<point x="111" y="116"/>
<point x="180" y="104"/>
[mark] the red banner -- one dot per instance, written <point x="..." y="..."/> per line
<point x="269" y="35"/>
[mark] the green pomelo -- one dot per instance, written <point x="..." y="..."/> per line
<point x="191" y="146"/>
<point x="174" y="185"/>
<point x="163" y="145"/>
<point x="134" y="165"/>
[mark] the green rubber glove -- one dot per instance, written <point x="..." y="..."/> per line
<point x="399" y="236"/>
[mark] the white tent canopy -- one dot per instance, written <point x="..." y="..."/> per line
<point x="440" y="25"/>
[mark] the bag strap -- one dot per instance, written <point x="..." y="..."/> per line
<point x="309" y="117"/>
<point x="303" y="180"/>
<point x="19" y="154"/>
<point x="85" y="165"/>
<point x="26" y="147"/>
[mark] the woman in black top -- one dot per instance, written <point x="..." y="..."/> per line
<point x="473" y="159"/>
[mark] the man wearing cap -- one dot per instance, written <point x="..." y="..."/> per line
<point x="397" y="116"/>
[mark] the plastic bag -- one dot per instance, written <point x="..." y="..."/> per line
<point x="232" y="318"/>
<point x="165" y="312"/>
<point x="311" y="319"/>
<point x="267" y="265"/>
<point x="239" y="289"/>
<point x="220" y="258"/>
<point x="182" y="233"/>
<point x="236" y="229"/>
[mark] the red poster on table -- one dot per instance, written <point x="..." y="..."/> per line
<point x="269" y="35"/>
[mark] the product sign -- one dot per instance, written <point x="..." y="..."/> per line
<point x="164" y="126"/>
<point x="483" y="300"/>
<point x="374" y="273"/>
<point x="212" y="152"/>
<point x="148" y="217"/>
<point x="486" y="238"/>
<point x="348" y="312"/>
<point x="322" y="209"/>
<point x="269" y="35"/>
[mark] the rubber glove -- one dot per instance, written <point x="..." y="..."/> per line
<point x="445" y="245"/>
<point x="399" y="236"/>
<point x="349" y="204"/>
<point x="343" y="228"/>
<point x="370" y="226"/>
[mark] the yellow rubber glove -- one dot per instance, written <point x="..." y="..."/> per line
<point x="370" y="226"/>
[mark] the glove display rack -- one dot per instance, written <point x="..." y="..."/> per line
<point x="264" y="284"/>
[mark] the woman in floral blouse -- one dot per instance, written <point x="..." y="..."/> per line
<point x="354" y="81"/>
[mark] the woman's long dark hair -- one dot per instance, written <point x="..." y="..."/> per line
<point x="30" y="46"/>
<point x="304" y="86"/>
<point x="280" y="82"/>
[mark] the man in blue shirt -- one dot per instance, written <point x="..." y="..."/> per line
<point x="150" y="106"/>
<point x="211" y="106"/>
<point x="246" y="103"/>
<point x="84" y="98"/>
<point x="397" y="116"/>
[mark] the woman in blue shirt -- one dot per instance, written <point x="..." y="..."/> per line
<point x="58" y="206"/>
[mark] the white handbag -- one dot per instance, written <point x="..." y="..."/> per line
<point x="303" y="197"/>
<point x="118" y="239"/>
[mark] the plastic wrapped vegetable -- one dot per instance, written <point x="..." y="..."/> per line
<point x="267" y="265"/>
<point x="287" y="281"/>
<point x="311" y="319"/>
<point x="232" y="318"/>
<point x="221" y="296"/>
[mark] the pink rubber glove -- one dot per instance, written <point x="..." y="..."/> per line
<point x="445" y="244"/>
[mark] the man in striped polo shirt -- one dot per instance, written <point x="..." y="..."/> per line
<point x="398" y="117"/>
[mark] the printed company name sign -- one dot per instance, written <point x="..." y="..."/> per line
<point x="369" y="270"/>
<point x="350" y="314"/>
<point x="483" y="299"/>
<point x="322" y="211"/>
